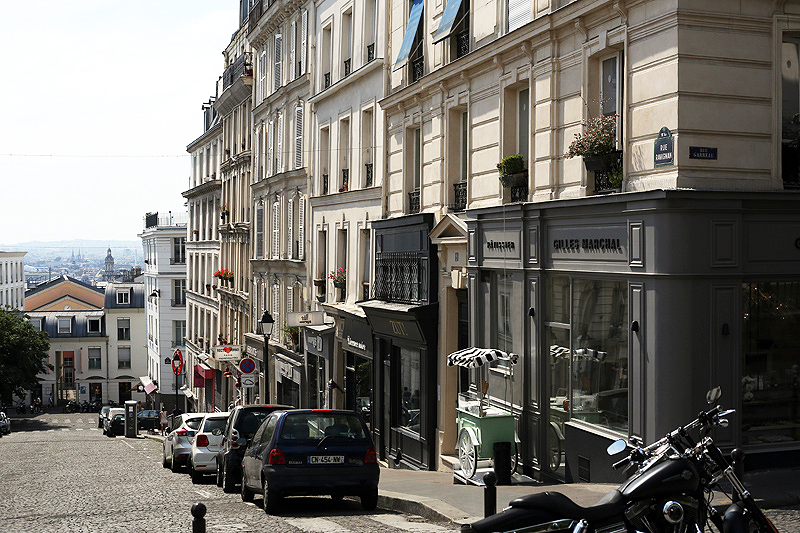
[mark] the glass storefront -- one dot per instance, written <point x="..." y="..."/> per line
<point x="410" y="384"/>
<point x="771" y="362"/>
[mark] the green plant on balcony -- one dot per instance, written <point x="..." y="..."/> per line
<point x="512" y="171"/>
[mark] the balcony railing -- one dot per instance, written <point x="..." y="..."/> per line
<point x="327" y="80"/>
<point x="417" y="69"/>
<point x="179" y="302"/>
<point x="399" y="277"/>
<point x="177" y="260"/>
<point x="345" y="180"/>
<point x="413" y="201"/>
<point x="347" y="63"/>
<point x="519" y="194"/>
<point x="462" y="44"/>
<point x="370" y="52"/>
<point x="324" y="184"/>
<point x="243" y="66"/>
<point x="368" y="178"/>
<point x="460" y="196"/>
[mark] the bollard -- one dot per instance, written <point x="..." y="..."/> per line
<point x="490" y="494"/>
<point x="737" y="462"/>
<point x="199" y="522"/>
<point x="502" y="462"/>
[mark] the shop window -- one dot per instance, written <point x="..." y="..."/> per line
<point x="502" y="327"/>
<point x="410" y="381"/>
<point x="771" y="367"/>
<point x="790" y="112"/>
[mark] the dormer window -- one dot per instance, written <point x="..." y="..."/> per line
<point x="94" y="325"/>
<point x="124" y="297"/>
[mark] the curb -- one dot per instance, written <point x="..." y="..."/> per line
<point x="428" y="508"/>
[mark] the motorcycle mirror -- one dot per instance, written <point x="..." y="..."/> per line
<point x="616" y="447"/>
<point x="723" y="422"/>
<point x="713" y="395"/>
<point x="242" y="442"/>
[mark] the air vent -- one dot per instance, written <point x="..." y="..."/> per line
<point x="583" y="469"/>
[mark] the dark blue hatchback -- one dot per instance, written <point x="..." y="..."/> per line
<point x="311" y="452"/>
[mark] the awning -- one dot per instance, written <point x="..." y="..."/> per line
<point x="149" y="386"/>
<point x="475" y="357"/>
<point x="447" y="21"/>
<point x="411" y="32"/>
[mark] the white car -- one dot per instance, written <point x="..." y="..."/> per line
<point x="178" y="443"/>
<point x="109" y="417"/>
<point x="207" y="442"/>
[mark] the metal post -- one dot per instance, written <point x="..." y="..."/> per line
<point x="737" y="460"/>
<point x="199" y="521"/>
<point x="490" y="494"/>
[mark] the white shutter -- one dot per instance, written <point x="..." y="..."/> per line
<point x="292" y="46"/>
<point x="298" y="137"/>
<point x="519" y="13"/>
<point x="276" y="309"/>
<point x="263" y="74"/>
<point x="303" y="41"/>
<point x="257" y="151"/>
<point x="276" y="229"/>
<point x="278" y="59"/>
<point x="259" y="232"/>
<point x="270" y="151"/>
<point x="289" y="228"/>
<point x="279" y="143"/>
<point x="290" y="299"/>
<point x="301" y="227"/>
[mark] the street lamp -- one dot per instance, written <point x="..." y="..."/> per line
<point x="266" y="324"/>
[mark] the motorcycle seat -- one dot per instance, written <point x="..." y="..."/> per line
<point x="612" y="504"/>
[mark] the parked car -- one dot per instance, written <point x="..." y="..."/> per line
<point x="102" y="416"/>
<point x="5" y="424"/>
<point x="242" y="425"/>
<point x="178" y="443"/>
<point x="205" y="445"/>
<point x="311" y="452"/>
<point x="109" y="417"/>
<point x="115" y="425"/>
<point x="148" y="419"/>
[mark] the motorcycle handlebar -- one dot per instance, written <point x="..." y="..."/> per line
<point x="622" y="462"/>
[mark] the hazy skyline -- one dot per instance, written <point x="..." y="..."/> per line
<point x="102" y="98"/>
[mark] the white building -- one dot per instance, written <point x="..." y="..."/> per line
<point x="12" y="279"/>
<point x="164" y="243"/>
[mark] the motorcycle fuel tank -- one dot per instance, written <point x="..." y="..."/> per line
<point x="670" y="477"/>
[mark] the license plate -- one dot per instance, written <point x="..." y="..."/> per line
<point x="325" y="459"/>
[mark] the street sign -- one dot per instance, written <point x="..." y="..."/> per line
<point x="309" y="318"/>
<point x="247" y="365"/>
<point x="664" y="149"/>
<point x="248" y="380"/>
<point x="177" y="362"/>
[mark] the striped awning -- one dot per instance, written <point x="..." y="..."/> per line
<point x="475" y="357"/>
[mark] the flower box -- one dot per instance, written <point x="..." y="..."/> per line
<point x="518" y="179"/>
<point x="602" y="162"/>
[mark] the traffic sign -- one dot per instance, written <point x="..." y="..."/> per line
<point x="248" y="380"/>
<point x="177" y="362"/>
<point x="247" y="365"/>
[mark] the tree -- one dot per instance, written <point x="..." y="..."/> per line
<point x="24" y="353"/>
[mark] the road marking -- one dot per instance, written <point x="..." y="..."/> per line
<point x="203" y="493"/>
<point x="401" y="522"/>
<point x="317" y="525"/>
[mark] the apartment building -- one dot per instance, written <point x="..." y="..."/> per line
<point x="12" y="279"/>
<point x="165" y="282"/>
<point x="204" y="198"/>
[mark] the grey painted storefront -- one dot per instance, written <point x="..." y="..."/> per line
<point x="627" y="308"/>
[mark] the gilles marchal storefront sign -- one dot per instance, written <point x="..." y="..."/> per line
<point x="591" y="243"/>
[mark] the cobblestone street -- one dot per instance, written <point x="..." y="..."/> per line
<point x="60" y="473"/>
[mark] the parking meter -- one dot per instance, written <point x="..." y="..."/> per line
<point x="131" y="429"/>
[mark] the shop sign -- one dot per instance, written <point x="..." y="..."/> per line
<point x="501" y="245"/>
<point x="664" y="149"/>
<point x="227" y="353"/>
<point x="352" y="343"/>
<point x="605" y="243"/>
<point x="404" y="329"/>
<point x="288" y="371"/>
<point x="314" y="342"/>
<point x="357" y="336"/>
<point x="309" y="318"/>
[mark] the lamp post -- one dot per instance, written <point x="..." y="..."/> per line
<point x="266" y="323"/>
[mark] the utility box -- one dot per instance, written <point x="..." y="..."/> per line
<point x="131" y="419"/>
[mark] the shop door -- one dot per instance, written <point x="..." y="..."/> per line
<point x="95" y="391"/>
<point x="358" y="386"/>
<point x="124" y="391"/>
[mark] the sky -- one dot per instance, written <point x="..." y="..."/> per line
<point x="100" y="99"/>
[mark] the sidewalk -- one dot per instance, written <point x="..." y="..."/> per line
<point x="434" y="495"/>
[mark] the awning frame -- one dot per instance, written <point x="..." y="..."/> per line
<point x="448" y="20"/>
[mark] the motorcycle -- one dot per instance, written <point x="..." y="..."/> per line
<point x="20" y="408"/>
<point x="72" y="406"/>
<point x="670" y="491"/>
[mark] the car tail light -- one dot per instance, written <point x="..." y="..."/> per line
<point x="371" y="456"/>
<point x="276" y="457"/>
<point x="202" y="440"/>
<point x="182" y="432"/>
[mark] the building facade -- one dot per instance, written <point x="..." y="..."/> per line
<point x="164" y="246"/>
<point x="12" y="279"/>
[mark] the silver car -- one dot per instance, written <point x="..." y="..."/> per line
<point x="205" y="445"/>
<point x="178" y="443"/>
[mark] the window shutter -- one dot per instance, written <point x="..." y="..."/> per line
<point x="270" y="151"/>
<point x="301" y="227"/>
<point x="298" y="137"/>
<point x="259" y="232"/>
<point x="290" y="299"/>
<point x="292" y="47"/>
<point x="303" y="41"/>
<point x="278" y="58"/>
<point x="279" y="143"/>
<point x="519" y="13"/>
<point x="263" y="74"/>
<point x="276" y="306"/>
<point x="290" y="228"/>
<point x="276" y="230"/>
<point x="257" y="151"/>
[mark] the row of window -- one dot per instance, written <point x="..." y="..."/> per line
<point x="269" y="144"/>
<point x="271" y="57"/>
<point x="11" y="272"/>
<point x="290" y="223"/>
<point x="70" y="365"/>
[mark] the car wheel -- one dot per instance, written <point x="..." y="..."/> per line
<point x="271" y="499"/>
<point x="164" y="462"/>
<point x="369" y="499"/>
<point x="247" y="494"/>
<point x="175" y="467"/>
<point x="228" y="484"/>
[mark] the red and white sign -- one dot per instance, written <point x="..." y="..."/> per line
<point x="227" y="353"/>
<point x="177" y="362"/>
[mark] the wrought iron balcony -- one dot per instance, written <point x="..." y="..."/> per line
<point x="370" y="52"/>
<point x="460" y="196"/>
<point x="602" y="182"/>
<point x="462" y="44"/>
<point x="347" y="63"/>
<point x="368" y="179"/>
<point x="417" y="68"/>
<point x="324" y="184"/>
<point x="327" y="80"/>
<point x="243" y="66"/>
<point x="413" y="201"/>
<point x="519" y="194"/>
<point x="345" y="180"/>
<point x="399" y="277"/>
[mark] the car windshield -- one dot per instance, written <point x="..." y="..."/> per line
<point x="119" y="417"/>
<point x="214" y="423"/>
<point x="249" y="422"/>
<point x="194" y="423"/>
<point x="319" y="425"/>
